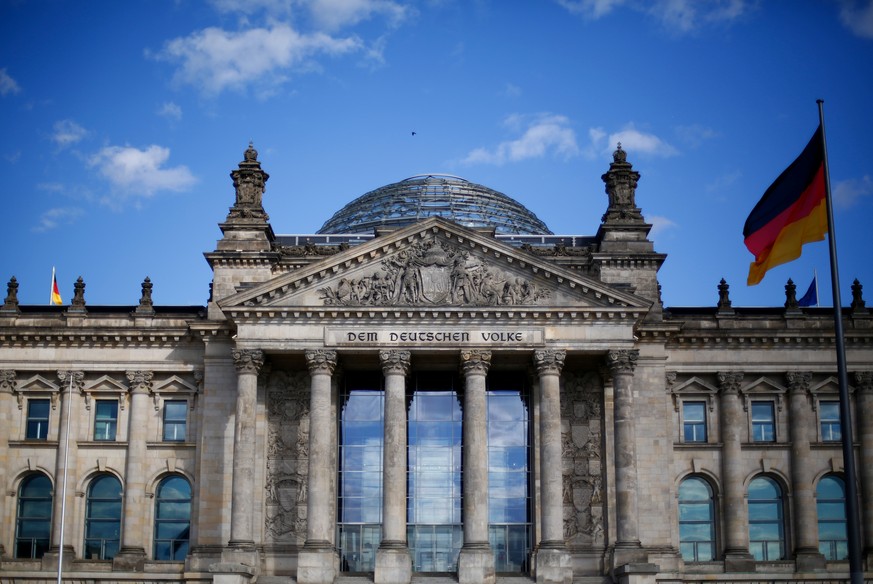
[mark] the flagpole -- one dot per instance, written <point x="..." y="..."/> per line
<point x="815" y="279"/>
<point x="66" y="470"/>
<point x="856" y="575"/>
<point x="52" y="288"/>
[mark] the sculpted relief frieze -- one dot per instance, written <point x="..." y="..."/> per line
<point x="434" y="273"/>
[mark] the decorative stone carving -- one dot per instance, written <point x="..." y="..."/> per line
<point x="78" y="302"/>
<point x="249" y="181"/>
<point x="621" y="185"/>
<point x="729" y="381"/>
<point x="622" y="361"/>
<point x="582" y="440"/>
<point x="863" y="381"/>
<point x="321" y="361"/>
<point x="8" y="379"/>
<point x="287" y="456"/>
<point x="434" y="273"/>
<point x="549" y="361"/>
<point x="798" y="381"/>
<point x="791" y="295"/>
<point x="724" y="300"/>
<point x="858" y="303"/>
<point x="475" y="361"/>
<point x="395" y="361"/>
<point x="145" y="301"/>
<point x="248" y="360"/>
<point x="140" y="381"/>
<point x="77" y="376"/>
<point x="10" y="304"/>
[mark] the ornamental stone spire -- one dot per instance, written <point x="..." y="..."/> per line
<point x="250" y="183"/>
<point x="621" y="186"/>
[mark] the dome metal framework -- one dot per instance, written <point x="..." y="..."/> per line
<point x="435" y="195"/>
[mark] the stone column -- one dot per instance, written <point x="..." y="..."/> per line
<point x="476" y="562"/>
<point x="806" y="554"/>
<point x="621" y="365"/>
<point x="7" y="411"/>
<point x="132" y="553"/>
<point x="318" y="562"/>
<point x="736" y="554"/>
<point x="248" y="363"/>
<point x="864" y="417"/>
<point x="393" y="562"/>
<point x="552" y="560"/>
<point x="67" y="439"/>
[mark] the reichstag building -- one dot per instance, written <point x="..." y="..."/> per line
<point x="431" y="388"/>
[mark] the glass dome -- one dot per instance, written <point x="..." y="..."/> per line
<point x="435" y="195"/>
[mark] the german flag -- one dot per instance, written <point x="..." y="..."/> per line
<point x="791" y="213"/>
<point x="56" y="294"/>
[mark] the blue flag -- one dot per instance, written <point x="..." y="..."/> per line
<point x="811" y="296"/>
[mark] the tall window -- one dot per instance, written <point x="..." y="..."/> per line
<point x="34" y="522"/>
<point x="508" y="472"/>
<point x="830" y="504"/>
<point x="694" y="421"/>
<point x="105" y="419"/>
<point x="696" y="520"/>
<point x="175" y="420"/>
<point x="360" y="460"/>
<point x="435" y="531"/>
<point x="103" y="518"/>
<point x="172" y="519"/>
<point x="766" y="526"/>
<point x="763" y="422"/>
<point x="37" y="419"/>
<point x="829" y="416"/>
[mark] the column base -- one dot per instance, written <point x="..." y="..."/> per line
<point x="626" y="553"/>
<point x="393" y="565"/>
<point x="809" y="560"/>
<point x="129" y="559"/>
<point x="552" y="566"/>
<point x="642" y="573"/>
<point x="476" y="565"/>
<point x="51" y="558"/>
<point x="319" y="564"/>
<point x="231" y="573"/>
<point x="739" y="561"/>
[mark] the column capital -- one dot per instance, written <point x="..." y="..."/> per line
<point x="248" y="360"/>
<point x="549" y="361"/>
<point x="78" y="378"/>
<point x="475" y="361"/>
<point x="140" y="381"/>
<point x="622" y="360"/>
<point x="395" y="361"/>
<point x="320" y="361"/>
<point x="729" y="381"/>
<point x="864" y="381"/>
<point x="8" y="380"/>
<point x="798" y="381"/>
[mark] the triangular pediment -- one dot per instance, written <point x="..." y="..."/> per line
<point x="434" y="264"/>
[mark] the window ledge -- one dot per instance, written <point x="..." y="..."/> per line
<point x="183" y="445"/>
<point x="34" y="443"/>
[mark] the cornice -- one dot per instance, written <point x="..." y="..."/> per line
<point x="757" y="340"/>
<point x="128" y="337"/>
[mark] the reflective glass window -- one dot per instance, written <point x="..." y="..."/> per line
<point x="37" y="419"/>
<point x="696" y="520"/>
<point x="694" y="421"/>
<point x="34" y="520"/>
<point x="763" y="422"/>
<point x="103" y="518"/>
<point x="172" y="518"/>
<point x="766" y="525"/>
<point x="829" y="416"/>
<point x="175" y="420"/>
<point x="830" y="497"/>
<point x="105" y="419"/>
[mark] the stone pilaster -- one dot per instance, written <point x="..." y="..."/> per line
<point x="393" y="562"/>
<point x="864" y="417"/>
<point x="67" y="449"/>
<point x="132" y="553"/>
<point x="8" y="384"/>
<point x="318" y="562"/>
<point x="806" y="555"/>
<point x="476" y="562"/>
<point x="736" y="550"/>
<point x="552" y="559"/>
<point x="248" y="363"/>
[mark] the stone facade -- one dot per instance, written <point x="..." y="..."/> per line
<point x="209" y="443"/>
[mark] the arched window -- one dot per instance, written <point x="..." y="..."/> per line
<point x="103" y="518"/>
<point x="696" y="520"/>
<point x="831" y="507"/>
<point x="172" y="519"/>
<point x="766" y="525"/>
<point x="34" y="524"/>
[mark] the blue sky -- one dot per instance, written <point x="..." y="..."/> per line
<point x="121" y="121"/>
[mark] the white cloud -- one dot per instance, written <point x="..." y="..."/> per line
<point x="170" y="110"/>
<point x="55" y="217"/>
<point x="271" y="7"/>
<point x="544" y="134"/>
<point x="67" y="132"/>
<point x="848" y="192"/>
<point x="695" y="135"/>
<point x="141" y="172"/>
<point x="8" y="85"/>
<point x="858" y="17"/>
<point x="681" y="16"/>
<point x="215" y="60"/>
<point x="659" y="225"/>
<point x="631" y="140"/>
<point x="332" y="15"/>
<point x="592" y="9"/>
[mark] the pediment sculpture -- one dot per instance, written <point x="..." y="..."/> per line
<point x="434" y="273"/>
